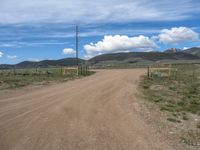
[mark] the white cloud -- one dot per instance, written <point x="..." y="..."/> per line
<point x="149" y="50"/>
<point x="118" y="43"/>
<point x="34" y="59"/>
<point x="178" y="35"/>
<point x="8" y="45"/>
<point x="184" y="48"/>
<point x="12" y="57"/>
<point x="1" y="54"/>
<point x="69" y="51"/>
<point x="20" y="44"/>
<point x="37" y="11"/>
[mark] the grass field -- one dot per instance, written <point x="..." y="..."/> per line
<point x="21" y="77"/>
<point x="177" y="91"/>
<point x="136" y="63"/>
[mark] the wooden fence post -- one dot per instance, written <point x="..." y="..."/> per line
<point x="176" y="72"/>
<point x="14" y="71"/>
<point x="194" y="69"/>
<point x="148" y="71"/>
<point x="169" y="73"/>
<point x="77" y="70"/>
<point x="61" y="71"/>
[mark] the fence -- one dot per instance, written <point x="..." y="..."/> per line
<point x="80" y="70"/>
<point x="31" y="71"/>
<point x="182" y="71"/>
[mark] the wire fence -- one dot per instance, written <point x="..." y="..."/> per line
<point x="180" y="72"/>
<point x="81" y="70"/>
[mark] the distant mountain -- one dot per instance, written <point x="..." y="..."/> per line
<point x="193" y="51"/>
<point x="144" y="56"/>
<point x="5" y="66"/>
<point x="44" y="63"/>
<point x="115" y="58"/>
<point x="26" y="64"/>
<point x="50" y="63"/>
<point x="172" y="50"/>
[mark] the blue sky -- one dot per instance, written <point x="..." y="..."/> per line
<point x="37" y="30"/>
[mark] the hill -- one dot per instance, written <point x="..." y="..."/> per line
<point x="44" y="63"/>
<point x="5" y="66"/>
<point x="114" y="59"/>
<point x="50" y="63"/>
<point x="143" y="56"/>
<point x="193" y="51"/>
<point x="172" y="50"/>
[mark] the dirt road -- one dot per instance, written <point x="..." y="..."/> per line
<point x="92" y="113"/>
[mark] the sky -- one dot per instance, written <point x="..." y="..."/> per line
<point x="36" y="30"/>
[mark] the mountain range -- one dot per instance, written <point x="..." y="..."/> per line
<point x="193" y="51"/>
<point x="172" y="54"/>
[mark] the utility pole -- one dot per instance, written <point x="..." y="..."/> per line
<point x="77" y="61"/>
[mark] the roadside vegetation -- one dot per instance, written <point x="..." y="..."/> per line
<point x="15" y="78"/>
<point x="176" y="90"/>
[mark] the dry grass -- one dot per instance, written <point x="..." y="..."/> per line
<point x="179" y="96"/>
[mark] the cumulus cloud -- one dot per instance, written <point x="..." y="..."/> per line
<point x="69" y="51"/>
<point x="178" y="35"/>
<point x="118" y="43"/>
<point x="12" y="57"/>
<point x="1" y="54"/>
